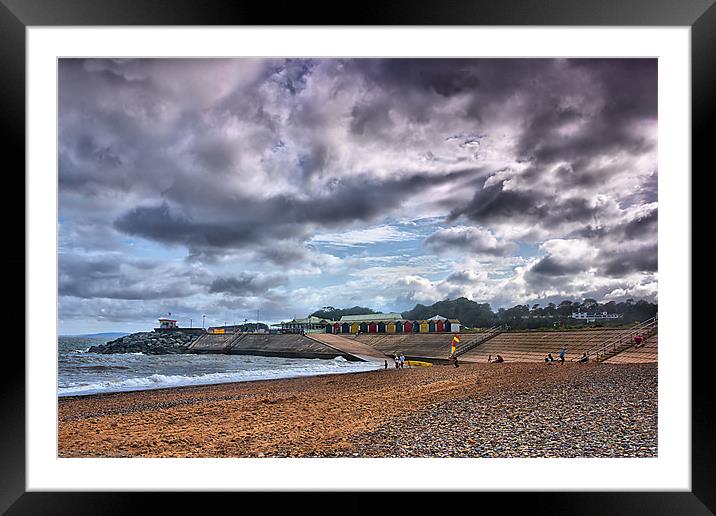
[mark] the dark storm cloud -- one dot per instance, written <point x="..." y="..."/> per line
<point x="644" y="259"/>
<point x="245" y="222"/>
<point x="371" y="117"/>
<point x="115" y="277"/>
<point x="246" y="284"/>
<point x="624" y="91"/>
<point x="201" y="237"/>
<point x="549" y="266"/>
<point x="467" y="240"/>
<point x="222" y="156"/>
<point x="281" y="254"/>
<point x="460" y="278"/>
<point x="315" y="161"/>
<point x="641" y="227"/>
<point x="494" y="204"/>
<point x="214" y="156"/>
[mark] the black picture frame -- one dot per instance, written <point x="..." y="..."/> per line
<point x="17" y="15"/>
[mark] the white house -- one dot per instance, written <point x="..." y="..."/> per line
<point x="594" y="316"/>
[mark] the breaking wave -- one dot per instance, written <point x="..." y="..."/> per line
<point x="270" y="369"/>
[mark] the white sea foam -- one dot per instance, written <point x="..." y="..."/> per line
<point x="338" y="365"/>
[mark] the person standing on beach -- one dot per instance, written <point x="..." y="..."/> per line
<point x="386" y="364"/>
<point x="402" y="360"/>
<point x="397" y="362"/>
<point x="562" y="352"/>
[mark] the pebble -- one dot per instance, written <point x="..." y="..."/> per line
<point x="609" y="412"/>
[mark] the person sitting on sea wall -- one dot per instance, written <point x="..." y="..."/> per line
<point x="549" y="358"/>
<point x="584" y="358"/>
<point x="638" y="340"/>
<point x="498" y="360"/>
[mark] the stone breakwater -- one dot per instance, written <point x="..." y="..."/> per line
<point x="149" y="343"/>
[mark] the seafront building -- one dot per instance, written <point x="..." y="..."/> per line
<point x="167" y="324"/>
<point x="172" y="326"/>
<point x="594" y="316"/>
<point x="310" y="324"/>
<point x="392" y="323"/>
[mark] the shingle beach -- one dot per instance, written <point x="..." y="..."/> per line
<point x="476" y="410"/>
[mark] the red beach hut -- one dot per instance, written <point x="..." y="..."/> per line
<point x="439" y="326"/>
<point x="372" y="328"/>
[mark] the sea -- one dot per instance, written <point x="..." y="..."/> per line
<point x="81" y="372"/>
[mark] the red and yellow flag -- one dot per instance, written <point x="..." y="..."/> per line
<point x="455" y="341"/>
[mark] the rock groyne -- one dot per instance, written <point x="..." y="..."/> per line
<point x="149" y="343"/>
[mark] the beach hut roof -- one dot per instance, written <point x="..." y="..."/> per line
<point x="309" y="320"/>
<point x="438" y="318"/>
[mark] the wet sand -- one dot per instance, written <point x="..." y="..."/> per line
<point x="405" y="412"/>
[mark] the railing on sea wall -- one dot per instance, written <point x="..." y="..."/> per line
<point x="617" y="343"/>
<point x="484" y="337"/>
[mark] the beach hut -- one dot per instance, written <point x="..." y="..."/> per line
<point x="439" y="326"/>
<point x="399" y="326"/>
<point x="390" y="327"/>
<point x="372" y="327"/>
<point x="431" y="326"/>
<point x="363" y="327"/>
<point x="407" y="327"/>
<point x="346" y="328"/>
<point x="337" y="327"/>
<point x="329" y="328"/>
<point x="454" y="325"/>
<point x="381" y="327"/>
<point x="416" y="326"/>
<point x="424" y="327"/>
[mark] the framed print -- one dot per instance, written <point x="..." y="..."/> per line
<point x="410" y="250"/>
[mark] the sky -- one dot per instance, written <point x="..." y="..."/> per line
<point x="237" y="188"/>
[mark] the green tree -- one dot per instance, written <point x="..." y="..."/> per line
<point x="334" y="314"/>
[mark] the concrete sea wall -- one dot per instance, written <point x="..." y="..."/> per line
<point x="290" y="346"/>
